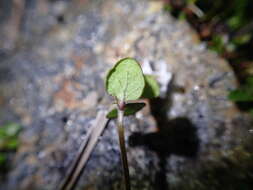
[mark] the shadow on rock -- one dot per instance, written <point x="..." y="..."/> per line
<point x="179" y="138"/>
<point x="176" y="136"/>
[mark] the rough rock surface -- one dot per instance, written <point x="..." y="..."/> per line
<point x="53" y="85"/>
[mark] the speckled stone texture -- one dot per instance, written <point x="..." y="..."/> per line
<point x="53" y="85"/>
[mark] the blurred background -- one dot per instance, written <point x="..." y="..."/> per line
<point x="54" y="55"/>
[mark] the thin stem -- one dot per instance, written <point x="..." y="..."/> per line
<point x="123" y="149"/>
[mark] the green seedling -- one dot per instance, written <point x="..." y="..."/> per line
<point x="244" y="94"/>
<point x="8" y="142"/>
<point x="127" y="84"/>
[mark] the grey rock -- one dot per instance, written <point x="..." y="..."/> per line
<point x="55" y="87"/>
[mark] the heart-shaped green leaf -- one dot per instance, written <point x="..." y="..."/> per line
<point x="151" y="89"/>
<point x="125" y="80"/>
<point x="130" y="109"/>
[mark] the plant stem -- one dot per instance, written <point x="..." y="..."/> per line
<point x="123" y="149"/>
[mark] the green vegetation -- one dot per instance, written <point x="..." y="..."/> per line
<point x="8" y="142"/>
<point x="130" y="109"/>
<point x="244" y="94"/>
<point x="227" y="28"/>
<point x="125" y="80"/>
<point x="127" y="83"/>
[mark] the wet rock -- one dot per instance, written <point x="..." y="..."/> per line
<point x="57" y="89"/>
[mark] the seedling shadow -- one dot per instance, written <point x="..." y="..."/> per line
<point x="174" y="136"/>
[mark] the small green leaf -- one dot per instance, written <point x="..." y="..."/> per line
<point x="151" y="89"/>
<point x="10" y="129"/>
<point x="244" y="93"/>
<point x="241" y="95"/>
<point x="125" y="80"/>
<point x="9" y="136"/>
<point x="130" y="109"/>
